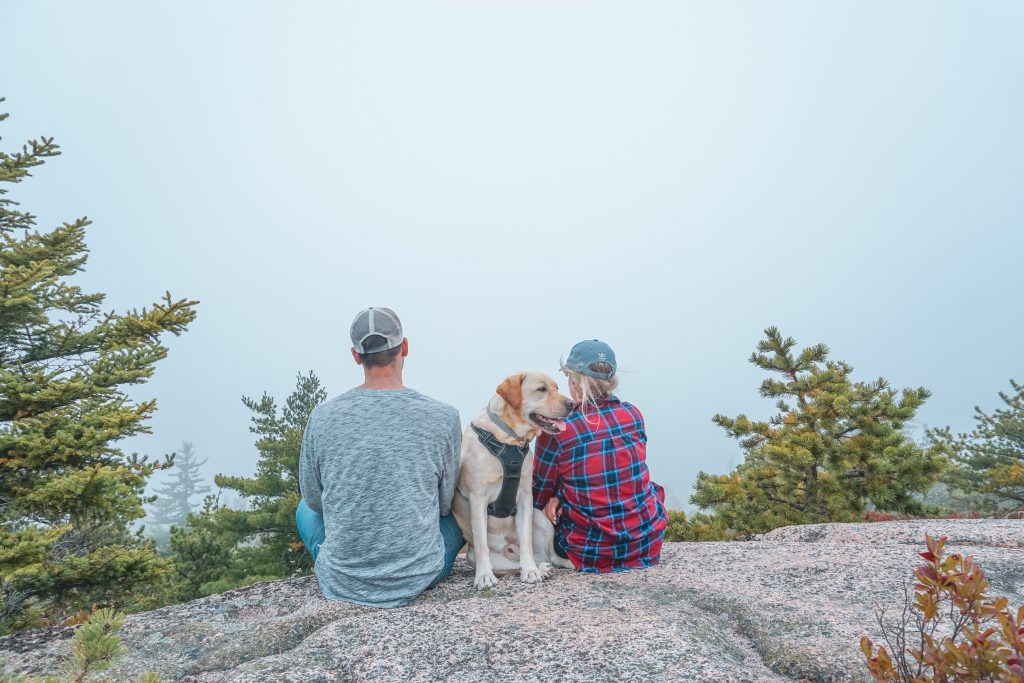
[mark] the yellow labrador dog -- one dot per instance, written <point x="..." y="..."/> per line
<point x="495" y="512"/>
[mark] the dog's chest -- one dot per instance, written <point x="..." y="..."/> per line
<point x="494" y="480"/>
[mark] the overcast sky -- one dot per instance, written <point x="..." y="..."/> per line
<point x="512" y="177"/>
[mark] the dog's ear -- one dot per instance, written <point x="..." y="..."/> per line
<point x="512" y="390"/>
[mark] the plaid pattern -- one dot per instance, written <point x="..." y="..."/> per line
<point x="613" y="515"/>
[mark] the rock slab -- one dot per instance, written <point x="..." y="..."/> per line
<point x="791" y="605"/>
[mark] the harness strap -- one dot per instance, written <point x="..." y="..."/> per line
<point x="511" y="459"/>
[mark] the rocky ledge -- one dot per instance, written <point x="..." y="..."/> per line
<point x="791" y="605"/>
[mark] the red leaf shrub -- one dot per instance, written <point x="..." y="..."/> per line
<point x="985" y="641"/>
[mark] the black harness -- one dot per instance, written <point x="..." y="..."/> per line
<point x="511" y="459"/>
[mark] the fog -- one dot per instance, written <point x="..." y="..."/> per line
<point x="513" y="177"/>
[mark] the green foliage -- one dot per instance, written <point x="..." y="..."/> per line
<point x="95" y="647"/>
<point x="700" y="527"/>
<point x="174" y="497"/>
<point x="985" y="641"/>
<point x="67" y="494"/>
<point x="951" y="497"/>
<point x="223" y="548"/>
<point x="204" y="553"/>
<point x="834" y="446"/>
<point x="991" y="457"/>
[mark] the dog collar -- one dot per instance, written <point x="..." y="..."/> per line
<point x="505" y="428"/>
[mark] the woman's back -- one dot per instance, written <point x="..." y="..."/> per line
<point x="612" y="515"/>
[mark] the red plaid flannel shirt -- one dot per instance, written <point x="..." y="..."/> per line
<point x="612" y="514"/>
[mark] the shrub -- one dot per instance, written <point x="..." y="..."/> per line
<point x="700" y="527"/>
<point x="95" y="647"/>
<point x="985" y="640"/>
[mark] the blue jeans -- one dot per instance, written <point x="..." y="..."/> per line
<point x="311" y="529"/>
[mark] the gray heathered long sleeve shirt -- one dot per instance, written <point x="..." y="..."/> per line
<point x="381" y="467"/>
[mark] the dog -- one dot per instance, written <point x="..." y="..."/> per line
<point x="524" y="405"/>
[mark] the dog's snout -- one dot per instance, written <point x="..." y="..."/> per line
<point x="568" y="404"/>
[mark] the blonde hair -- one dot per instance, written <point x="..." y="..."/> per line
<point x="591" y="389"/>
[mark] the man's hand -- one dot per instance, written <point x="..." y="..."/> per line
<point x="552" y="510"/>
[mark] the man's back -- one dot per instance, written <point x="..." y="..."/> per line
<point x="381" y="466"/>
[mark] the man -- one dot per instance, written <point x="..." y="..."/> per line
<point x="377" y="472"/>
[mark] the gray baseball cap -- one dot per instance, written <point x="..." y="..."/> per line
<point x="590" y="352"/>
<point x="375" y="330"/>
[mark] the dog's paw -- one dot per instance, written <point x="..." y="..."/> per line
<point x="545" y="568"/>
<point x="485" y="580"/>
<point x="533" y="574"/>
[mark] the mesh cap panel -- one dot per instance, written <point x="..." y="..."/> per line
<point x="375" y="330"/>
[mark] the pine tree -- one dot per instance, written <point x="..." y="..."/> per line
<point x="174" y="497"/>
<point x="224" y="548"/>
<point x="834" y="446"/>
<point x="67" y="493"/>
<point x="95" y="647"/>
<point x="991" y="457"/>
<point x="205" y="555"/>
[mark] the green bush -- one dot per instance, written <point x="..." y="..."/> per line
<point x="700" y="527"/>
<point x="95" y="647"/>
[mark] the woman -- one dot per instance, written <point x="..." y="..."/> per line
<point x="592" y="480"/>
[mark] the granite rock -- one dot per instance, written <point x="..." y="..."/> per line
<point x="791" y="605"/>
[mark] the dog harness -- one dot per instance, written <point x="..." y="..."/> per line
<point x="511" y="459"/>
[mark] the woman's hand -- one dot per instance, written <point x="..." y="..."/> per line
<point x="552" y="510"/>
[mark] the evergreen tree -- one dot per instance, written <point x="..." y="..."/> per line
<point x="224" y="548"/>
<point x="834" y="446"/>
<point x="67" y="493"/>
<point x="991" y="458"/>
<point x="174" y="497"/>
<point x="205" y="555"/>
<point x="95" y="647"/>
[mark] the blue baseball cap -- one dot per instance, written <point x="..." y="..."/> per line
<point x="588" y="353"/>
